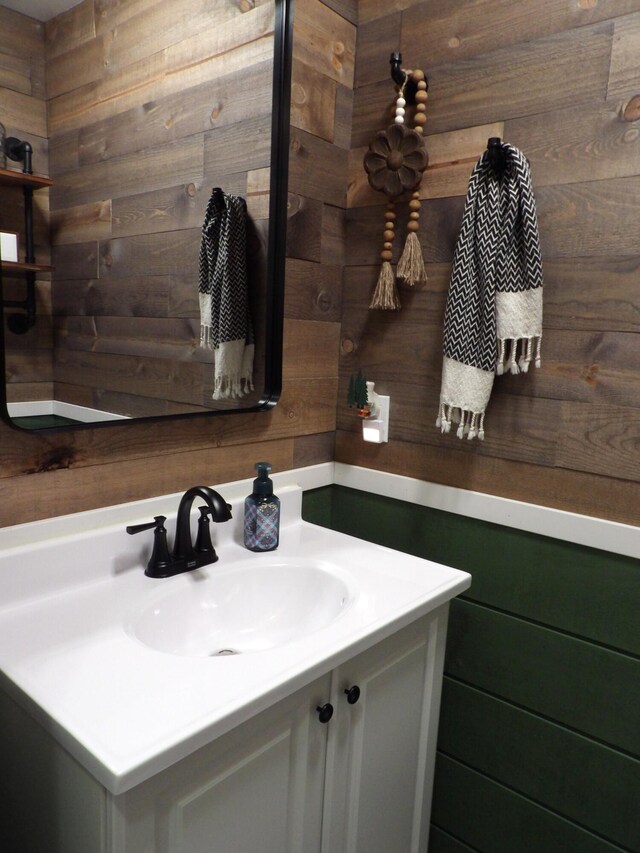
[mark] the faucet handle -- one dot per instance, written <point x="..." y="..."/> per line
<point x="204" y="545"/>
<point x="160" y="563"/>
<point x="158" y="521"/>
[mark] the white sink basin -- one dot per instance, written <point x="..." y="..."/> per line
<point x="248" y="608"/>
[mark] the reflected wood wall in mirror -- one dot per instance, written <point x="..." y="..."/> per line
<point x="137" y="109"/>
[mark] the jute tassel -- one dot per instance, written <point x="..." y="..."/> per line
<point x="411" y="264"/>
<point x="385" y="295"/>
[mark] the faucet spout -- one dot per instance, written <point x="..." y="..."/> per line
<point x="183" y="549"/>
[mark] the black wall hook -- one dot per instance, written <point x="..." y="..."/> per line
<point x="399" y="77"/>
<point x="397" y="73"/>
<point x="496" y="156"/>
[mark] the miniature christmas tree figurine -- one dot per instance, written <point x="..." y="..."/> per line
<point x="357" y="396"/>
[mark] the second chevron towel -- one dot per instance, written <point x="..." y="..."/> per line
<point x="493" y="317"/>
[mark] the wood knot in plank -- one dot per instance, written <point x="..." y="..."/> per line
<point x="56" y="459"/>
<point x="298" y="94"/>
<point x="323" y="300"/>
<point x="591" y="374"/>
<point x="631" y="110"/>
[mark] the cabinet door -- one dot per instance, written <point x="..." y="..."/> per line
<point x="381" y="750"/>
<point x="258" y="788"/>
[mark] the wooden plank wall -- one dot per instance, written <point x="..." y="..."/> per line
<point x="149" y="108"/>
<point x="68" y="472"/>
<point x="551" y="77"/>
<point x="539" y="747"/>
<point x="23" y="112"/>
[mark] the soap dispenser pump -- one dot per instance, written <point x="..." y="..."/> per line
<point x="262" y="513"/>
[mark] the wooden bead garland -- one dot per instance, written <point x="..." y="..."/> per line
<point x="411" y="264"/>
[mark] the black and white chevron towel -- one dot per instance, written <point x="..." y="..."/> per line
<point x="225" y="321"/>
<point x="493" y="318"/>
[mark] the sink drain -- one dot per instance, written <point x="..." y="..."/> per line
<point x="223" y="652"/>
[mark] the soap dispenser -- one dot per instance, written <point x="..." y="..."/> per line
<point x="262" y="513"/>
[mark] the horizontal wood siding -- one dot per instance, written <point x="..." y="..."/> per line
<point x="137" y="108"/>
<point x="552" y="78"/>
<point x="191" y="130"/>
<point x="539" y="747"/>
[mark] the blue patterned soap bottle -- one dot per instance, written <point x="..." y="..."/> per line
<point x="262" y="513"/>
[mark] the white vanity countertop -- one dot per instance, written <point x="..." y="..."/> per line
<point x="127" y="711"/>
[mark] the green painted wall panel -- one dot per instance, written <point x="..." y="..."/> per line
<point x="590" y="688"/>
<point x="493" y="819"/>
<point x="316" y="506"/>
<point x="547" y="642"/>
<point x="442" y="842"/>
<point x="584" y="591"/>
<point x="521" y="751"/>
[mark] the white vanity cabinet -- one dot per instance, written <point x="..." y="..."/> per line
<point x="282" y="782"/>
<point x="257" y="788"/>
<point x="286" y="783"/>
<point x="381" y="749"/>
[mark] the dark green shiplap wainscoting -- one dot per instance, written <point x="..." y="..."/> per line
<point x="539" y="741"/>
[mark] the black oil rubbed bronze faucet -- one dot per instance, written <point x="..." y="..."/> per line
<point x="186" y="556"/>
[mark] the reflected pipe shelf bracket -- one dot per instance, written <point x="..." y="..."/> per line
<point x="20" y="324"/>
<point x="21" y="151"/>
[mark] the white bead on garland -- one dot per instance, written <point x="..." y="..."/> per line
<point x="400" y="107"/>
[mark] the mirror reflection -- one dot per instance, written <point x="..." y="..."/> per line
<point x="156" y="255"/>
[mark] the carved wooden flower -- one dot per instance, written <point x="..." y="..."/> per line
<point x="396" y="160"/>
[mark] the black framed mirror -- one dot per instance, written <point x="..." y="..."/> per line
<point x="135" y="156"/>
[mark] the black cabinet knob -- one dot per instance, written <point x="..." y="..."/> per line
<point x="325" y="712"/>
<point x="353" y="694"/>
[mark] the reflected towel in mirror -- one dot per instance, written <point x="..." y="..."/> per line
<point x="225" y="320"/>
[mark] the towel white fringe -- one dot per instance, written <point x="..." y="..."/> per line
<point x="227" y="388"/>
<point x="511" y="362"/>
<point x="443" y="421"/>
<point x="473" y="429"/>
<point x="501" y="357"/>
<point x="205" y="337"/>
<point x="470" y="424"/>
<point x="525" y="357"/>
